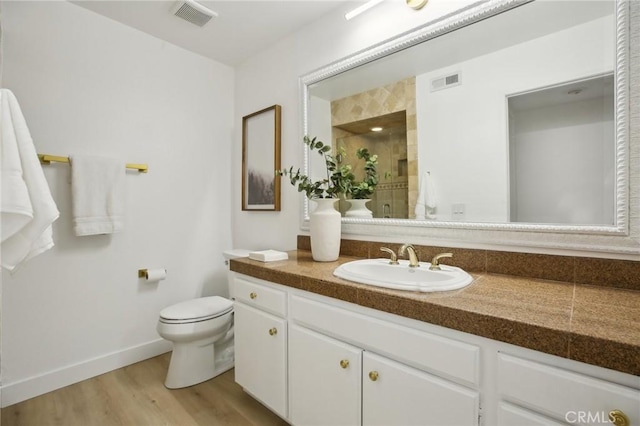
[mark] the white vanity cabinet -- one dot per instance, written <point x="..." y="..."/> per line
<point x="261" y="343"/>
<point x="325" y="379"/>
<point x="334" y="383"/>
<point x="347" y="365"/>
<point x="559" y="395"/>
<point x="349" y="369"/>
<point x="395" y="394"/>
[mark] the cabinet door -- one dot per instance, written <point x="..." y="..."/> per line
<point x="260" y="356"/>
<point x="395" y="394"/>
<point x="324" y="379"/>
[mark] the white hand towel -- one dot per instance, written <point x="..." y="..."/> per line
<point x="268" y="255"/>
<point x="24" y="239"/>
<point x="97" y="190"/>
<point x="426" y="203"/>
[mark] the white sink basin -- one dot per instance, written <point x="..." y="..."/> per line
<point x="380" y="273"/>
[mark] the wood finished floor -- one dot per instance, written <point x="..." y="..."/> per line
<point x="136" y="396"/>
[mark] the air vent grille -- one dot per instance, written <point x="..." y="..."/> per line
<point x="445" y="82"/>
<point x="451" y="79"/>
<point x="193" y="12"/>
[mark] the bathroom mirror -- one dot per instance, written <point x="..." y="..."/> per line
<point x="482" y="91"/>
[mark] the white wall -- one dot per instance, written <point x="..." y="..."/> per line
<point x="272" y="77"/>
<point x="87" y="84"/>
<point x="462" y="130"/>
<point x="553" y="184"/>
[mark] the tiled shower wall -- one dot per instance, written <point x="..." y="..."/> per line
<point x="390" y="200"/>
<point x="398" y="96"/>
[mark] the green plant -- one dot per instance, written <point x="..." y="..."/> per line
<point x="337" y="181"/>
<point x="364" y="189"/>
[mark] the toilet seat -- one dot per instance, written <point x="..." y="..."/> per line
<point x="196" y="310"/>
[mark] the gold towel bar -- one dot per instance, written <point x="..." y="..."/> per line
<point x="46" y="159"/>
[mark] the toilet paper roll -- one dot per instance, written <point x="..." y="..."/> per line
<point x="155" y="274"/>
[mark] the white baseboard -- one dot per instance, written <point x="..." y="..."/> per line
<point x="13" y="393"/>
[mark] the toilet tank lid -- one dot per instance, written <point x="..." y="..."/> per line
<point x="197" y="308"/>
<point x="236" y="253"/>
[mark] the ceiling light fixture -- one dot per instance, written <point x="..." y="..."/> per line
<point x="363" y="8"/>
<point x="376" y="129"/>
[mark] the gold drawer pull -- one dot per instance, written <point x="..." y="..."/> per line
<point x="273" y="331"/>
<point x="373" y="375"/>
<point x="618" y="418"/>
<point x="344" y="363"/>
<point x="253" y="295"/>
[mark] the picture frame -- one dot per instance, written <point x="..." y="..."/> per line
<point x="261" y="132"/>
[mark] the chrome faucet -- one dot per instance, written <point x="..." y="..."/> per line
<point x="413" y="257"/>
<point x="394" y="259"/>
<point x="435" y="262"/>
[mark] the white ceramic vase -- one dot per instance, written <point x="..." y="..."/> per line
<point x="325" y="229"/>
<point x="358" y="209"/>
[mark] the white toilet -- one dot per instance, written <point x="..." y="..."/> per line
<point x="202" y="334"/>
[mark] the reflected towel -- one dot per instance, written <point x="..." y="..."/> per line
<point x="426" y="203"/>
<point x="28" y="209"/>
<point x="97" y="191"/>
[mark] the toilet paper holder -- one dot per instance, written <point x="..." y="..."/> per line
<point x="144" y="273"/>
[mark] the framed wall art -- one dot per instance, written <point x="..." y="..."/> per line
<point x="261" y="159"/>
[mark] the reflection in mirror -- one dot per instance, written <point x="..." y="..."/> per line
<point x="386" y="137"/>
<point x="547" y="128"/>
<point x="474" y="153"/>
<point x="391" y="108"/>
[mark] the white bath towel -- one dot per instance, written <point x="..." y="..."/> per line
<point x="426" y="203"/>
<point x="16" y="208"/>
<point x="28" y="209"/>
<point x="97" y="191"/>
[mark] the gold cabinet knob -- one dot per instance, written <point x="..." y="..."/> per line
<point x="618" y="418"/>
<point x="373" y="375"/>
<point x="273" y="331"/>
<point x="344" y="363"/>
<point x="253" y="295"/>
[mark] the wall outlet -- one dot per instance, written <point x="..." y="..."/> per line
<point x="458" y="211"/>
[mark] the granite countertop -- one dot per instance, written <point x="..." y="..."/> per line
<point x="587" y="323"/>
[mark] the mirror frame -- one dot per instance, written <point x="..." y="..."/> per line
<point x="623" y="237"/>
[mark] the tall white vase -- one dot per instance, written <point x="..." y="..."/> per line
<point x="325" y="230"/>
<point x="358" y="209"/>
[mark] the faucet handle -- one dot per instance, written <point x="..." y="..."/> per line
<point x="394" y="258"/>
<point x="435" y="262"/>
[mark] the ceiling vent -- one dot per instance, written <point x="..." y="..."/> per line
<point x="193" y="12"/>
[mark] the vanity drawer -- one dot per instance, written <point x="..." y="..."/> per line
<point x="429" y="352"/>
<point x="509" y="415"/>
<point x="563" y="394"/>
<point x="261" y="296"/>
